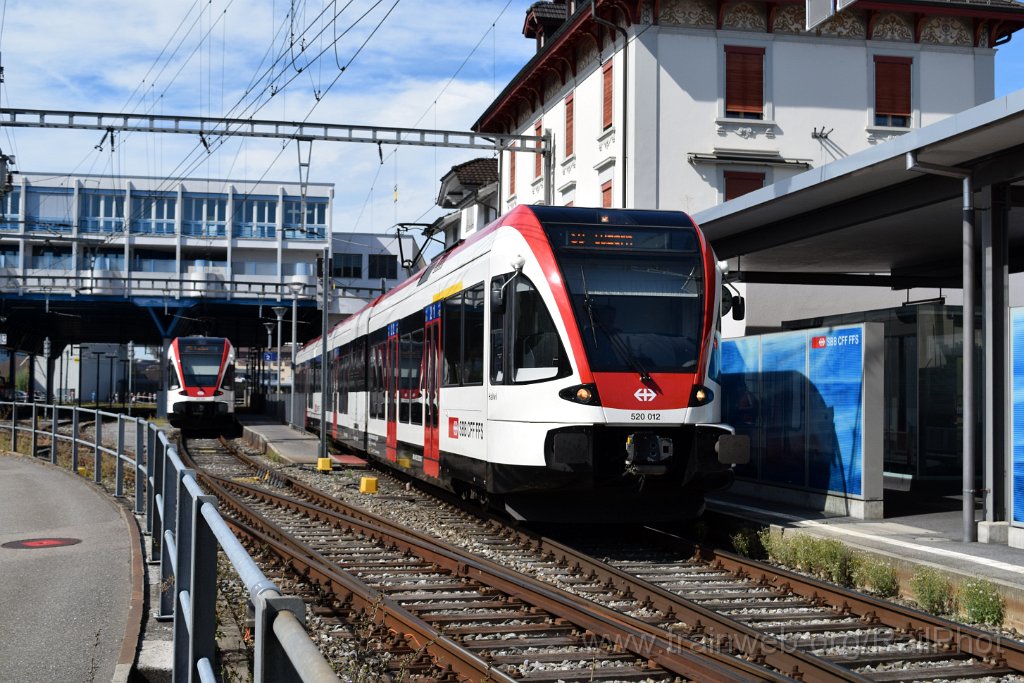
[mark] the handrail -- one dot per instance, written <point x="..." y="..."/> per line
<point x="185" y="531"/>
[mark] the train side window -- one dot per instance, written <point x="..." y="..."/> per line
<point x="451" y="329"/>
<point x="537" y="351"/>
<point x="473" y="335"/>
<point x="497" y="332"/>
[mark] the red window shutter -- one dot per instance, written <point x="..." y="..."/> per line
<point x="512" y="172"/>
<point x="892" y="85"/>
<point x="606" y="195"/>
<point x="738" y="183"/>
<point x="608" y="94"/>
<point x="538" y="130"/>
<point x="744" y="79"/>
<point x="569" y="124"/>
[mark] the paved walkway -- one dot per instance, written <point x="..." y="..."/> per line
<point x="65" y="610"/>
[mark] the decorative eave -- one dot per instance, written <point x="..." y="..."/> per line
<point x="558" y="55"/>
<point x="1001" y="18"/>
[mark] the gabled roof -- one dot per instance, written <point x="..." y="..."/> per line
<point x="463" y="179"/>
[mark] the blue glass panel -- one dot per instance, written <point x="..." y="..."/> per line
<point x="1017" y="383"/>
<point x="741" y="371"/>
<point x="835" y="413"/>
<point x="782" y="397"/>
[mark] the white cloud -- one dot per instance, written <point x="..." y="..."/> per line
<point x="78" y="56"/>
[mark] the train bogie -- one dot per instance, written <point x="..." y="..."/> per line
<point x="561" y="363"/>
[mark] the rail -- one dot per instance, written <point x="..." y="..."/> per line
<point x="185" y="531"/>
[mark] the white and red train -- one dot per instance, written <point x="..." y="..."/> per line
<point x="561" y="363"/>
<point x="201" y="382"/>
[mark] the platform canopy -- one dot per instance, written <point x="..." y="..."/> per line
<point x="869" y="219"/>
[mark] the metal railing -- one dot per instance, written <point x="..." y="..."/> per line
<point x="185" y="533"/>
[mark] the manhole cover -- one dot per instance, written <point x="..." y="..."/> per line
<point x="35" y="543"/>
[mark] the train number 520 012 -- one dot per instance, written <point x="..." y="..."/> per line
<point x="645" y="417"/>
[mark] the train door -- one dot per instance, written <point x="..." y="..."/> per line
<point x="392" y="361"/>
<point x="431" y="395"/>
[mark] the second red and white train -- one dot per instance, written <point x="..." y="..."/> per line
<point x="561" y="363"/>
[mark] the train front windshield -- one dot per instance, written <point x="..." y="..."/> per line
<point x="200" y="363"/>
<point x="637" y="294"/>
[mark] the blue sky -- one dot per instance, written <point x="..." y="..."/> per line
<point x="435" y="64"/>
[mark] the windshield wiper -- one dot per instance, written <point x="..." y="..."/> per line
<point x="620" y="347"/>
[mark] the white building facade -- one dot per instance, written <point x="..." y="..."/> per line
<point x="711" y="100"/>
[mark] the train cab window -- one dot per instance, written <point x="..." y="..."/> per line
<point x="537" y="352"/>
<point x="173" y="383"/>
<point x="229" y="378"/>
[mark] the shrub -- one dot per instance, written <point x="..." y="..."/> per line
<point x="878" y="577"/>
<point x="980" y="602"/>
<point x="932" y="590"/>
<point x="835" y="561"/>
<point x="775" y="545"/>
<point x="747" y="542"/>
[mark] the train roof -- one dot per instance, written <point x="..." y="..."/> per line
<point x="577" y="215"/>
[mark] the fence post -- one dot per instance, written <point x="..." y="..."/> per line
<point x="154" y="477"/>
<point x="34" y="439"/>
<point x="54" y="413"/>
<point x="97" y="475"/>
<point x="14" y="426"/>
<point x="119" y="462"/>
<point x="183" y="528"/>
<point x="157" y="517"/>
<point x="204" y="586"/>
<point x="74" y="439"/>
<point x="270" y="661"/>
<point x="168" y="516"/>
<point x="141" y="484"/>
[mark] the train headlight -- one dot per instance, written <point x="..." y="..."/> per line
<point x="701" y="395"/>
<point x="581" y="393"/>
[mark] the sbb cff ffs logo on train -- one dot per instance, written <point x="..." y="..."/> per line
<point x="465" y="429"/>
<point x="828" y="341"/>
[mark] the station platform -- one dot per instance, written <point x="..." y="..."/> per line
<point x="271" y="437"/>
<point x="71" y="597"/>
<point x="907" y="537"/>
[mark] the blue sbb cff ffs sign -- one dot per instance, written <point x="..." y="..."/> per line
<point x="270" y="355"/>
<point x="828" y="341"/>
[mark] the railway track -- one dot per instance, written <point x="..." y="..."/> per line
<point x="474" y="618"/>
<point x="721" y="603"/>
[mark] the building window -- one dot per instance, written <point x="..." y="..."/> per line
<point x="11" y="205"/>
<point x="153" y="214"/>
<point x="49" y="209"/>
<point x="347" y="265"/>
<point x="512" y="172"/>
<point x="570" y="125"/>
<point x="383" y="266"/>
<point x="101" y="211"/>
<point x="205" y="216"/>
<point x="255" y="217"/>
<point x="538" y="130"/>
<point x="315" y="224"/>
<point x="738" y="183"/>
<point x="608" y="95"/>
<point x="606" y="195"/>
<point x="892" y="91"/>
<point x="744" y="82"/>
<point x="8" y="257"/>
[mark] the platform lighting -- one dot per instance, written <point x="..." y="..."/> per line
<point x="279" y="312"/>
<point x="296" y="288"/>
<point x="131" y="369"/>
<point x="270" y="344"/>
